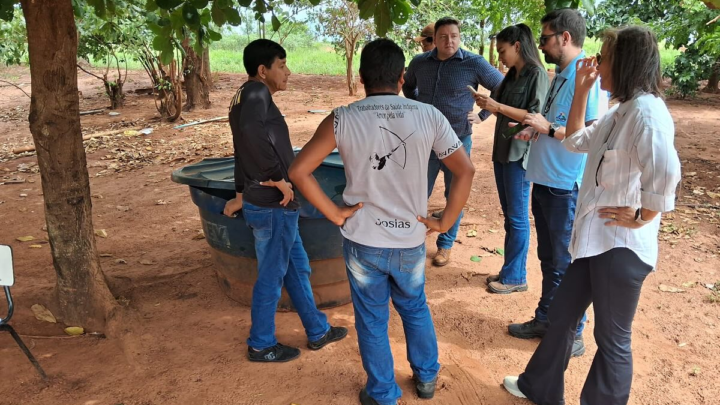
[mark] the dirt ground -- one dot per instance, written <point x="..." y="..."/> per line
<point x="183" y="340"/>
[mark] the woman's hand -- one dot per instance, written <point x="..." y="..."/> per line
<point x="487" y="103"/>
<point x="587" y="74"/>
<point x="620" y="216"/>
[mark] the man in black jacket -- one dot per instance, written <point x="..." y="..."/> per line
<point x="263" y="153"/>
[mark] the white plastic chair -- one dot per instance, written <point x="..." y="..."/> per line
<point x="7" y="279"/>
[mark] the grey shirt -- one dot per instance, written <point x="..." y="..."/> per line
<point x="526" y="92"/>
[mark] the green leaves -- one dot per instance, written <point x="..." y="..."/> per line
<point x="191" y="16"/>
<point x="7" y="9"/>
<point x="275" y="23"/>
<point x="168" y="4"/>
<point x="383" y="21"/>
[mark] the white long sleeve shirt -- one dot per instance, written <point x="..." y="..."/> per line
<point x="632" y="162"/>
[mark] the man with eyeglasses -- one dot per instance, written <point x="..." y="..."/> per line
<point x="426" y="38"/>
<point x="556" y="173"/>
<point x="440" y="78"/>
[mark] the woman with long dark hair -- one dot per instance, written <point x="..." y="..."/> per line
<point x="630" y="178"/>
<point x="522" y="91"/>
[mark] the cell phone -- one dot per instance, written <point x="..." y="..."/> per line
<point x="511" y="132"/>
<point x="471" y="89"/>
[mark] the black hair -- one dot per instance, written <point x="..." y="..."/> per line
<point x="381" y="64"/>
<point x="570" y="20"/>
<point x="523" y="34"/>
<point x="261" y="52"/>
<point x="634" y="59"/>
<point x="446" y="21"/>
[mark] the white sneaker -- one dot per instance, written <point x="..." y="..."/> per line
<point x="511" y="385"/>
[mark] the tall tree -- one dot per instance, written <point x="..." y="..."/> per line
<point x="82" y="291"/>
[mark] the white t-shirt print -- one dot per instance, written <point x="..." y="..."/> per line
<point x="385" y="143"/>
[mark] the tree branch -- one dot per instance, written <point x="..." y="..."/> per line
<point x="90" y="73"/>
<point x="16" y="86"/>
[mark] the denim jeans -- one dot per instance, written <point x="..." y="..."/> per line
<point x="514" y="192"/>
<point x="376" y="275"/>
<point x="554" y="212"/>
<point x="282" y="260"/>
<point x="435" y="165"/>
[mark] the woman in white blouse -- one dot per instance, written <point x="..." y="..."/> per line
<point x="630" y="178"/>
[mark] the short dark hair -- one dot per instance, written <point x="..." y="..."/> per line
<point x="570" y="20"/>
<point x="381" y="64"/>
<point x="523" y="34"/>
<point x="446" y="21"/>
<point x="261" y="52"/>
<point x="634" y="60"/>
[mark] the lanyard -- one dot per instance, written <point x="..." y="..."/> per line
<point x="551" y="97"/>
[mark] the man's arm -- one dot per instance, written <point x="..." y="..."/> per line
<point x="463" y="172"/>
<point x="309" y="158"/>
<point x="487" y="75"/>
<point x="409" y="87"/>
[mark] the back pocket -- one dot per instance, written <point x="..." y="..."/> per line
<point x="412" y="260"/>
<point x="260" y="221"/>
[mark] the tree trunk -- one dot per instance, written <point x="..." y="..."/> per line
<point x="115" y="93"/>
<point x="206" y="67"/>
<point x="352" y="84"/>
<point x="82" y="292"/>
<point x="197" y="87"/>
<point x="714" y="79"/>
<point x="482" y="37"/>
<point x="492" y="51"/>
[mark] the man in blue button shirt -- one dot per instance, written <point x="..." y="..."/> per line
<point x="555" y="172"/>
<point x="440" y="77"/>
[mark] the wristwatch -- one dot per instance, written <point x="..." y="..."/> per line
<point x="553" y="127"/>
<point x="639" y="219"/>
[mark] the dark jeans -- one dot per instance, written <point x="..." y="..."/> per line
<point x="435" y="165"/>
<point x="611" y="282"/>
<point x="554" y="212"/>
<point x="514" y="192"/>
<point x="282" y="261"/>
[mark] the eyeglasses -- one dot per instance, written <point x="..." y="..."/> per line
<point x="544" y="38"/>
<point x="428" y="40"/>
<point x="598" y="58"/>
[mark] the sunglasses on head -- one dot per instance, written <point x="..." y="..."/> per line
<point x="428" y="40"/>
<point x="544" y="38"/>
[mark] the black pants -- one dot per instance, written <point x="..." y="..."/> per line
<point x="612" y="282"/>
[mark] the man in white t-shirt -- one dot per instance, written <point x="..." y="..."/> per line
<point x="385" y="141"/>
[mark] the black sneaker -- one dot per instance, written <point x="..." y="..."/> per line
<point x="528" y="330"/>
<point x="578" y="347"/>
<point x="366" y="399"/>
<point x="333" y="335"/>
<point x="275" y="354"/>
<point x="425" y="390"/>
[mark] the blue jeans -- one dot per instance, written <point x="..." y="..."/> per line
<point x="376" y="275"/>
<point x="282" y="260"/>
<point x="554" y="212"/>
<point x="435" y="165"/>
<point x="514" y="192"/>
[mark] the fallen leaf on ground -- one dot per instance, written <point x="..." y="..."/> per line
<point x="688" y="284"/>
<point x="101" y="233"/>
<point x="35" y="246"/>
<point x="670" y="289"/>
<point x="161" y="202"/>
<point x="695" y="371"/>
<point x="146" y="262"/>
<point x="120" y="261"/>
<point x="25" y="238"/>
<point x="682" y="345"/>
<point x="74" y="330"/>
<point x="23" y="195"/>
<point x="713" y="195"/>
<point x="105" y="255"/>
<point x="43" y="314"/>
<point x="123" y="208"/>
<point x="200" y="235"/>
<point x="500" y="251"/>
<point x="472" y="233"/>
<point x="492" y="230"/>
<point x="476" y="259"/>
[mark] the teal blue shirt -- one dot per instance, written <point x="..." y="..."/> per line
<point x="549" y="163"/>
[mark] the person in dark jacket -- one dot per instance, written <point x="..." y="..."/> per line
<point x="263" y="154"/>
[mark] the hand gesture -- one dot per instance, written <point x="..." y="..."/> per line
<point x="487" y="103"/>
<point x="432" y="224"/>
<point x="528" y="134"/>
<point x="232" y="207"/>
<point x="344" y="213"/>
<point x="285" y="188"/>
<point x="587" y="74"/>
<point x="620" y="216"/>
<point x="538" y="122"/>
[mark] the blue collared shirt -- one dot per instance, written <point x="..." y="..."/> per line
<point x="443" y="84"/>
<point x="549" y="163"/>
